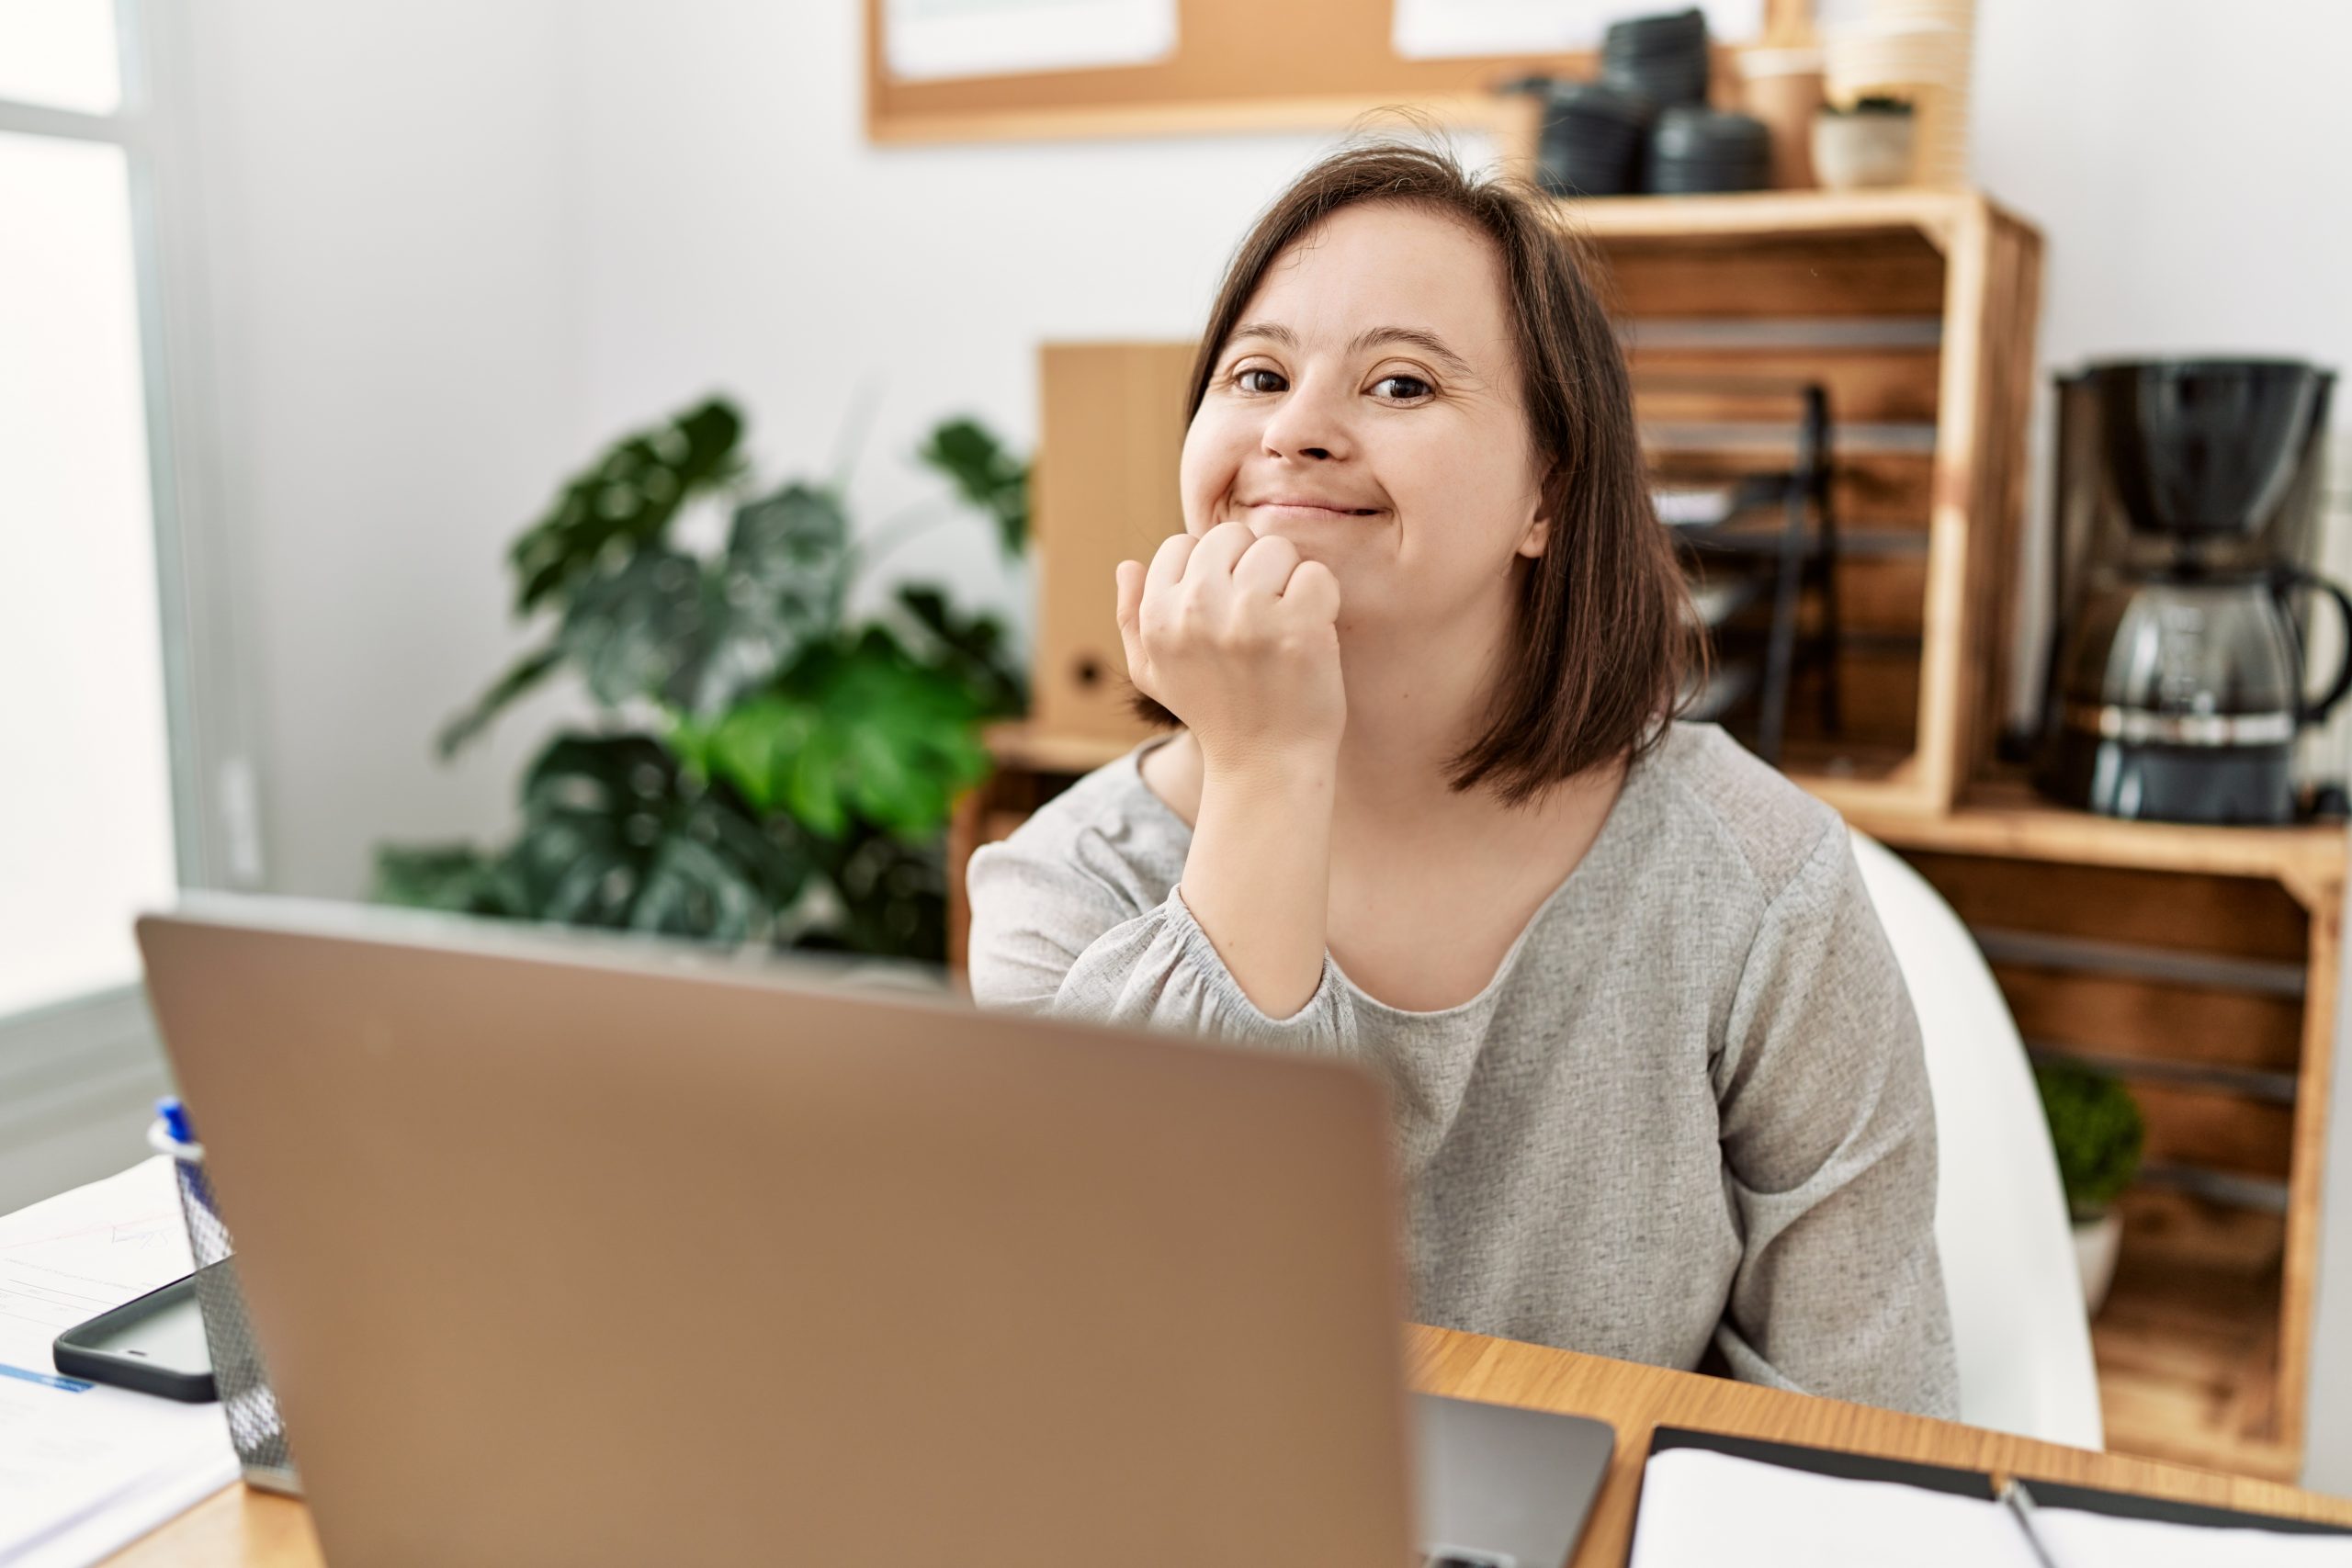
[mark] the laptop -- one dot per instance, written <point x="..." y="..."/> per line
<point x="574" y="1249"/>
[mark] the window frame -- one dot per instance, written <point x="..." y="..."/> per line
<point x="77" y="1060"/>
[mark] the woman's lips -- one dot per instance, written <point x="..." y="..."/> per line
<point x="1271" y="510"/>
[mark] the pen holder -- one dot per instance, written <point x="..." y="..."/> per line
<point x="256" y="1429"/>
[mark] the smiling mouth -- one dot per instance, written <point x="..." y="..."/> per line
<point x="1305" y="509"/>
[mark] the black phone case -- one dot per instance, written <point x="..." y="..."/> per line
<point x="76" y="1359"/>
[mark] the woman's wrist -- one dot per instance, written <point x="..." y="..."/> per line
<point x="1289" y="769"/>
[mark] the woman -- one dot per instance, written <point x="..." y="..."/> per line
<point x="1659" y="1085"/>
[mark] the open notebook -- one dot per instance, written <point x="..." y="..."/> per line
<point x="1712" y="1500"/>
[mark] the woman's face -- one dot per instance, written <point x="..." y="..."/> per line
<point x="1371" y="375"/>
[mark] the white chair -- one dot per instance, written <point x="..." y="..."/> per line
<point x="2009" y="1259"/>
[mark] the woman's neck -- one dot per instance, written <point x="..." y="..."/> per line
<point x="1408" y="716"/>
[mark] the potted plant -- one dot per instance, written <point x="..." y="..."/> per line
<point x="765" y="766"/>
<point x="1866" y="145"/>
<point x="2097" y="1129"/>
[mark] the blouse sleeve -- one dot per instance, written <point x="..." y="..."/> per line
<point x="1065" y="934"/>
<point x="1830" y="1147"/>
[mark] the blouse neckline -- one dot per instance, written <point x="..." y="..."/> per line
<point x="1614" y="828"/>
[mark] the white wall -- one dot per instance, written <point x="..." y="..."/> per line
<point x="740" y="232"/>
<point x="2190" y="164"/>
<point x="392" y="247"/>
<point x="456" y="247"/>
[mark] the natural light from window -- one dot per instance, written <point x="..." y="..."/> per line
<point x="60" y="55"/>
<point x="85" y="808"/>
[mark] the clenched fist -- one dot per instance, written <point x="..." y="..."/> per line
<point x="1238" y="636"/>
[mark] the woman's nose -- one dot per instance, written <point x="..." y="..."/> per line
<point x="1308" y="422"/>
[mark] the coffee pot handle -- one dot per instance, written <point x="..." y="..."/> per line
<point x="2314" y="710"/>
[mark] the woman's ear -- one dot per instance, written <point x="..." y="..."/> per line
<point x="1539" y="527"/>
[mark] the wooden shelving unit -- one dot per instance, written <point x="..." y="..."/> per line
<point x="1915" y="310"/>
<point x="2201" y="966"/>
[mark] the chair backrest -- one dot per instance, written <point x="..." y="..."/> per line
<point x="2009" y="1259"/>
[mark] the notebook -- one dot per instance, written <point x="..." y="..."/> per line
<point x="1709" y="1499"/>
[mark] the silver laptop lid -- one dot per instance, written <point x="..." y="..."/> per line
<point x="565" y="1252"/>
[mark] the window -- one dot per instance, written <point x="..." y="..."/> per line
<point x="87" y="832"/>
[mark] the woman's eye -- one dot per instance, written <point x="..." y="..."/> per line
<point x="1415" y="385"/>
<point x="1241" y="377"/>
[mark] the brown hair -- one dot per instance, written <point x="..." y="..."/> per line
<point x="1603" y="622"/>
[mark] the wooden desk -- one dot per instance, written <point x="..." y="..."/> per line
<point x="241" y="1528"/>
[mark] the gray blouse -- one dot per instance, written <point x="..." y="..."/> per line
<point x="1689" y="1113"/>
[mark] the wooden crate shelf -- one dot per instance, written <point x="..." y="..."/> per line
<point x="2201" y="965"/>
<point x="2187" y="1343"/>
<point x="1915" y="310"/>
<point x="2002" y="817"/>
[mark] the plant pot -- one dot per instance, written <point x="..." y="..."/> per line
<point x="1856" y="149"/>
<point x="2096" y="1245"/>
<point x="1782" y="89"/>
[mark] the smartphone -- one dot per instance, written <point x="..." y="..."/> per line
<point x="153" y="1344"/>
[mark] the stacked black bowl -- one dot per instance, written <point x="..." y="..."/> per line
<point x="1592" y="140"/>
<point x="1693" y="149"/>
<point x="1662" y="58"/>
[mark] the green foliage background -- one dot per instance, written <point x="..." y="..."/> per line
<point x="765" y="767"/>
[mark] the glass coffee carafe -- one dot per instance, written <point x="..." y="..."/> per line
<point x="2179" y="684"/>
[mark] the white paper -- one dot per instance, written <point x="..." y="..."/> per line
<point x="2096" y="1540"/>
<point x="69" y="1257"/>
<point x="1702" y="1509"/>
<point x="928" y="39"/>
<point x="1431" y="29"/>
<point x="85" y="1468"/>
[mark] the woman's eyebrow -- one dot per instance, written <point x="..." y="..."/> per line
<point x="1274" y="331"/>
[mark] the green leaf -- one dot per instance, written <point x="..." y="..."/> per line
<point x="458" y="878"/>
<point x="974" y="649"/>
<point x="894" y="897"/>
<point x="986" y="474"/>
<point x="520" y="677"/>
<point x="778" y="587"/>
<point x="625" y="500"/>
<point x="615" y="834"/>
<point x="636" y="631"/>
<point x="810" y="780"/>
<point x="862" y="731"/>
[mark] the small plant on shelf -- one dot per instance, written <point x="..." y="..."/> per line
<point x="765" y="766"/>
<point x="2098" y="1134"/>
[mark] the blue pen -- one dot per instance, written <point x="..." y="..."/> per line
<point x="46" y="1380"/>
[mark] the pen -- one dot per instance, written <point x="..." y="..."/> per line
<point x="2020" y="1501"/>
<point x="46" y="1380"/>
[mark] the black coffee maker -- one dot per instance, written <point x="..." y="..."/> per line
<point x="2189" y="494"/>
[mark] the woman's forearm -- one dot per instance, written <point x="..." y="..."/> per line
<point x="1258" y="875"/>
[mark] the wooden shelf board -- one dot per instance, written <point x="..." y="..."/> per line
<point x="2188" y="1366"/>
<point x="2005" y="818"/>
<point x="1751" y="214"/>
